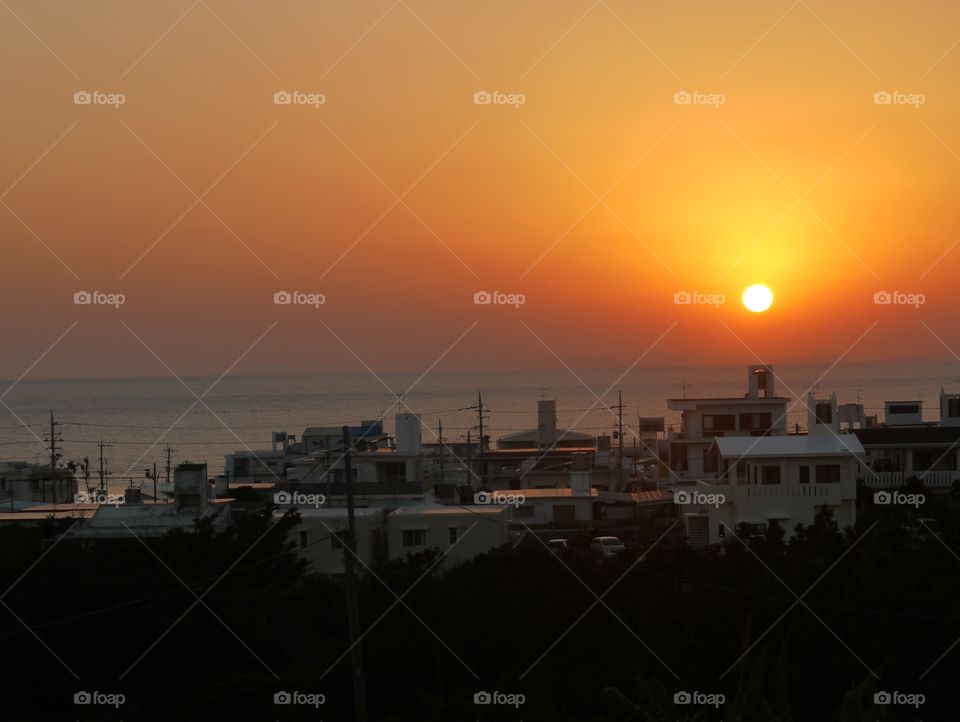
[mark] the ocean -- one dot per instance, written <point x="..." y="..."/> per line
<point x="137" y="418"/>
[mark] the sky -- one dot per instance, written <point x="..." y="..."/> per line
<point x="631" y="155"/>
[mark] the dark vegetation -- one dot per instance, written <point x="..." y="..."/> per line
<point x="893" y="601"/>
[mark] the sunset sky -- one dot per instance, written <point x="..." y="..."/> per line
<point x="792" y="176"/>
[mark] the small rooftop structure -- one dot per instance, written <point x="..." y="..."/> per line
<point x="546" y="435"/>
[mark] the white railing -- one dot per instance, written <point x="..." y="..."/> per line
<point x="893" y="479"/>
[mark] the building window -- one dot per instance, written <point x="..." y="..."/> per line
<point x="828" y="473"/>
<point x="824" y="412"/>
<point x="804" y="474"/>
<point x="454" y="534"/>
<point x="564" y="512"/>
<point x="756" y="422"/>
<point x="304" y="539"/>
<point x="719" y="422"/>
<point x="953" y="407"/>
<point x="904" y="409"/>
<point x="414" y="537"/>
<point x="771" y="474"/>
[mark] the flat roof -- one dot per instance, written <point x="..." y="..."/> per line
<point x="41" y="516"/>
<point x="564" y="492"/>
<point x="788" y="445"/>
<point x="909" y="435"/>
<point x="443" y="509"/>
<point x="332" y="512"/>
<point x="727" y="400"/>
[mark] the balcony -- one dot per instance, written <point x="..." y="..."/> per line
<point x="894" y="479"/>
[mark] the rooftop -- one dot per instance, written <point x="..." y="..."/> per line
<point x="441" y="509"/>
<point x="775" y="446"/>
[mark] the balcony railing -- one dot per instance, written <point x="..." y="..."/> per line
<point x="894" y="479"/>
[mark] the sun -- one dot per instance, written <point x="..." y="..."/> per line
<point x="757" y="298"/>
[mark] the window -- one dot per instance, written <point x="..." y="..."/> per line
<point x="525" y="511"/>
<point x="304" y="539"/>
<point x="564" y="512"/>
<point x="804" y="474"/>
<point x="953" y="407"/>
<point x="756" y="422"/>
<point x="771" y="474"/>
<point x="904" y="409"/>
<point x="828" y="473"/>
<point x="414" y="537"/>
<point x="454" y="534"/>
<point x="711" y="461"/>
<point x="719" y="422"/>
<point x="824" y="412"/>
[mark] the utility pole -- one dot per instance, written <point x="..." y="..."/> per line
<point x="483" y="469"/>
<point x="353" y="613"/>
<point x="620" y="438"/>
<point x="168" y="452"/>
<point x="102" y="470"/>
<point x="443" y="477"/>
<point x="53" y="461"/>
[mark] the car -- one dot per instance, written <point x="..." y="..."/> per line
<point x="609" y="546"/>
<point x="558" y="546"/>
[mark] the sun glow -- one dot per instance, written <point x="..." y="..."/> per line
<point x="757" y="298"/>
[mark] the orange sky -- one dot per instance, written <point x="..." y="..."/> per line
<point x="504" y="198"/>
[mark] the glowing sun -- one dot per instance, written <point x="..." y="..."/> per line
<point x="757" y="298"/>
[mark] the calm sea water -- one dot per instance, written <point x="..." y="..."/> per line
<point x="138" y="417"/>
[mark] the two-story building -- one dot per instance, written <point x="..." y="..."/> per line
<point x="760" y="412"/>
<point x="905" y="446"/>
<point x="784" y="479"/>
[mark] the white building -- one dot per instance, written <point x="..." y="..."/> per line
<point x="318" y="537"/>
<point x="758" y="413"/>
<point x="23" y="483"/>
<point x="462" y="532"/>
<point x="785" y="479"/>
<point x="905" y="446"/>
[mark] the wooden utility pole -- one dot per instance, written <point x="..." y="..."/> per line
<point x="620" y="438"/>
<point x="353" y="612"/>
<point x="443" y="477"/>
<point x="483" y="467"/>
